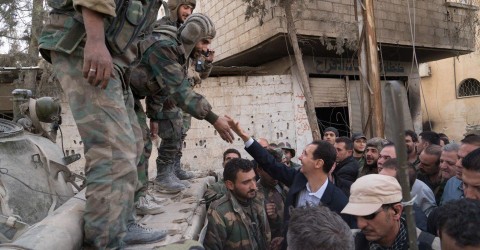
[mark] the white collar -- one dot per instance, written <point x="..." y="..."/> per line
<point x="320" y="191"/>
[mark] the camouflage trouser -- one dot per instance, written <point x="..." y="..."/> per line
<point x="112" y="145"/>
<point x="142" y="167"/>
<point x="170" y="130"/>
<point x="187" y="120"/>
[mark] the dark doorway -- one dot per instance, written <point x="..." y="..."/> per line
<point x="336" y="117"/>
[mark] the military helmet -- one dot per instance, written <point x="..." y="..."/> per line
<point x="196" y="27"/>
<point x="46" y="109"/>
<point x="173" y="6"/>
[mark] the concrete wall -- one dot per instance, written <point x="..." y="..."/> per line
<point x="437" y="24"/>
<point x="266" y="106"/>
<point x="448" y="113"/>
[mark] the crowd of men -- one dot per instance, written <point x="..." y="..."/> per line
<point x="107" y="64"/>
<point x="346" y="194"/>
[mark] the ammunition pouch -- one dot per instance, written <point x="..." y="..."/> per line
<point x="132" y="15"/>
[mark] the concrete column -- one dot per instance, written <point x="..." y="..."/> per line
<point x="414" y="100"/>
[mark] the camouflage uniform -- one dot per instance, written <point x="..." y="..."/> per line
<point x="215" y="191"/>
<point x="161" y="74"/>
<point x="142" y="166"/>
<point x="105" y="119"/>
<point x="275" y="195"/>
<point x="234" y="226"/>
<point x="173" y="120"/>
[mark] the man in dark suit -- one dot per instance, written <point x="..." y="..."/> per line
<point x="308" y="186"/>
<point x="346" y="171"/>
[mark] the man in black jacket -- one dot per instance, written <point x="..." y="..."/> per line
<point x="310" y="184"/>
<point x="346" y="171"/>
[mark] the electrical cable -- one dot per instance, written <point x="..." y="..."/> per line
<point x="4" y="171"/>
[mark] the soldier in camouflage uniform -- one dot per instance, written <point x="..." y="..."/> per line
<point x="238" y="219"/>
<point x="179" y="10"/>
<point x="162" y="74"/>
<point x="73" y="40"/>
<point x="273" y="194"/>
<point x="173" y="119"/>
<point x="217" y="190"/>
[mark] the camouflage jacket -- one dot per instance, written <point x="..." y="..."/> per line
<point x="214" y="192"/>
<point x="64" y="30"/>
<point x="229" y="226"/>
<point x="275" y="195"/>
<point x="162" y="74"/>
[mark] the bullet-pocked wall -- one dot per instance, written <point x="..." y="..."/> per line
<point x="271" y="107"/>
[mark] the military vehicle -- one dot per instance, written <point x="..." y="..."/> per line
<point x="34" y="178"/>
<point x="36" y="186"/>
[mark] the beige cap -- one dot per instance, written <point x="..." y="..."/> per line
<point x="368" y="193"/>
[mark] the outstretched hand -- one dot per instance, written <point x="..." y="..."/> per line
<point x="223" y="128"/>
<point x="235" y="125"/>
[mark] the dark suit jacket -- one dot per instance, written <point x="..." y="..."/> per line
<point x="345" y="174"/>
<point x="333" y="197"/>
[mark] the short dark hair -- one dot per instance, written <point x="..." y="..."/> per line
<point x="472" y="139"/>
<point x="391" y="163"/>
<point x="234" y="166"/>
<point x="412" y="134"/>
<point x="460" y="219"/>
<point x="431" y="137"/>
<point x="444" y="138"/>
<point x="318" y="227"/>
<point x="388" y="143"/>
<point x="348" y="142"/>
<point x="435" y="150"/>
<point x="326" y="152"/>
<point x="472" y="160"/>
<point x="229" y="151"/>
<point x="394" y="164"/>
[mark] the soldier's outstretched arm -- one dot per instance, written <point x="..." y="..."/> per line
<point x="97" y="61"/>
<point x="216" y="231"/>
<point x="173" y="81"/>
<point x="223" y="129"/>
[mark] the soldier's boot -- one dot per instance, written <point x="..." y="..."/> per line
<point x="145" y="206"/>
<point x="138" y="234"/>
<point x="179" y="172"/>
<point x="166" y="181"/>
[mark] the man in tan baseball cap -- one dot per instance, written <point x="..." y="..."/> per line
<point x="376" y="202"/>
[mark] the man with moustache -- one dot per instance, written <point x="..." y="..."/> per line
<point x="238" y="220"/>
<point x="372" y="153"/>
<point x="376" y="201"/>
<point x="429" y="170"/>
<point x="411" y="139"/>
<point x="454" y="187"/>
<point x="448" y="159"/>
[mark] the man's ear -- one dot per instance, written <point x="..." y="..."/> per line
<point x="229" y="184"/>
<point x="319" y="163"/>
<point x="398" y="209"/>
